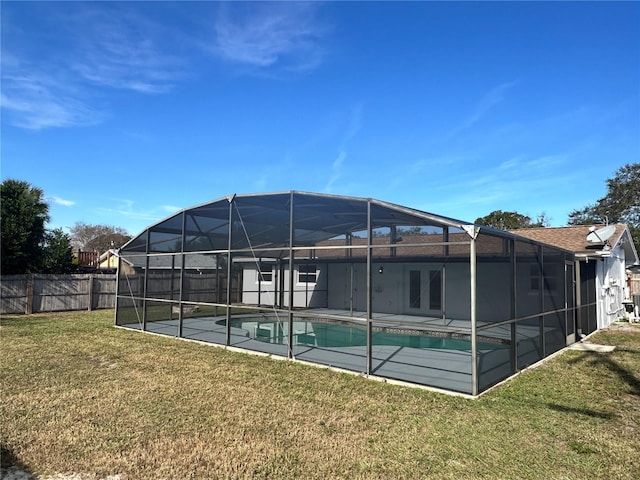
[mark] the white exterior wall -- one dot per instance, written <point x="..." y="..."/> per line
<point x="250" y="285"/>
<point x="390" y="289"/>
<point x="306" y="295"/>
<point x="344" y="287"/>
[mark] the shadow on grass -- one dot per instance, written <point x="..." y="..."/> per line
<point x="8" y="460"/>
<point x="628" y="350"/>
<point x="582" y="411"/>
<point x="605" y="359"/>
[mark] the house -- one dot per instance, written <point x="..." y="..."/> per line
<point x="601" y="268"/>
<point x="108" y="260"/>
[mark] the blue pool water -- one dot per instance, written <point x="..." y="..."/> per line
<point x="325" y="334"/>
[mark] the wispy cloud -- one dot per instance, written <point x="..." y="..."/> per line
<point x="33" y="99"/>
<point x="58" y="70"/>
<point x="101" y="46"/>
<point x="520" y="165"/>
<point x="353" y="126"/>
<point x="61" y="201"/>
<point x="484" y="105"/>
<point x="284" y="35"/>
<point x="128" y="209"/>
<point x="433" y="162"/>
<point x="170" y="208"/>
<point x="122" y="49"/>
<point x="521" y="183"/>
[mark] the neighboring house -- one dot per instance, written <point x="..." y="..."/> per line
<point x="601" y="270"/>
<point x="94" y="261"/>
<point x="108" y="260"/>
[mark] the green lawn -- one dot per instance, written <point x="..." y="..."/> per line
<point x="79" y="395"/>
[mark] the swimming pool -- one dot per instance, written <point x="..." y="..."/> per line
<point x="322" y="333"/>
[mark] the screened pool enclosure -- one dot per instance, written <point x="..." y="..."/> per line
<point x="352" y="283"/>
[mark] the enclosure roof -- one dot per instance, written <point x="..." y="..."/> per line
<point x="265" y="218"/>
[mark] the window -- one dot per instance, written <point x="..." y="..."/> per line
<point x="307" y="273"/>
<point x="414" y="288"/>
<point x="265" y="272"/>
<point x="550" y="276"/>
<point x="435" y="290"/>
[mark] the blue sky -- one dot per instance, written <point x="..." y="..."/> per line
<point x="123" y="113"/>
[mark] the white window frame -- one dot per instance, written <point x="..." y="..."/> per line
<point x="261" y="272"/>
<point x="307" y="274"/>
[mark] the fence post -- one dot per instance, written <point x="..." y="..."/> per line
<point x="30" y="290"/>
<point x="90" y="292"/>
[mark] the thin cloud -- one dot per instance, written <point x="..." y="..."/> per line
<point x="337" y="163"/>
<point x="270" y="35"/>
<point x="127" y="208"/>
<point x="354" y="125"/>
<point x="123" y="50"/>
<point x="512" y="163"/>
<point x="35" y="100"/>
<point x="170" y="208"/>
<point x="507" y="186"/>
<point x="486" y="103"/>
<point x="423" y="163"/>
<point x="522" y="166"/>
<point x="121" y="46"/>
<point x="96" y="45"/>
<point x="61" y="201"/>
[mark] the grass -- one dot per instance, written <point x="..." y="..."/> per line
<point x="79" y="395"/>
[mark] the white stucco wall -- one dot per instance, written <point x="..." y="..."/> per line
<point x="306" y="295"/>
<point x="344" y="287"/>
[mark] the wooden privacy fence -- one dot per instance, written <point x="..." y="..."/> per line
<point x="53" y="293"/>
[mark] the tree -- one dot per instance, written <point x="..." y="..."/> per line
<point x="23" y="214"/>
<point x="58" y="255"/>
<point x="511" y="220"/>
<point x="98" y="237"/>
<point x="621" y="204"/>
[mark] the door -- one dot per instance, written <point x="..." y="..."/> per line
<point x="424" y="295"/>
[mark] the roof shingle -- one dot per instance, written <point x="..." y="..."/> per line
<point x="573" y="238"/>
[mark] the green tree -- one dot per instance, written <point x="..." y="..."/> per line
<point x="23" y="215"/>
<point x="58" y="255"/>
<point x="621" y="204"/>
<point x="511" y="220"/>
